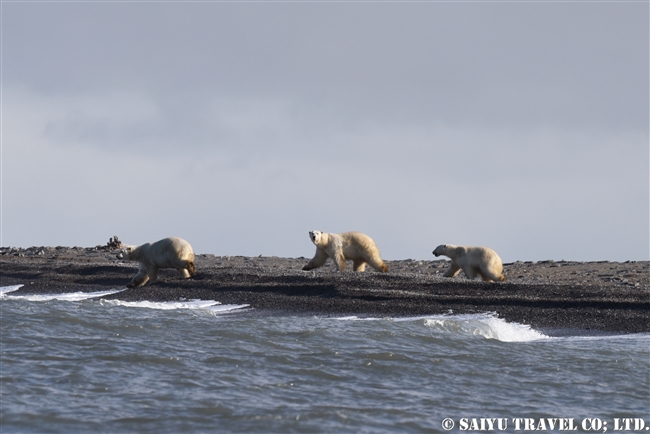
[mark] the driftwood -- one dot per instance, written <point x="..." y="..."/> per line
<point x="113" y="244"/>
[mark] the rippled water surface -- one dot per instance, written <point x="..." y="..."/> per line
<point x="72" y="364"/>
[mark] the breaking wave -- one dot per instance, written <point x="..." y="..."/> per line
<point x="487" y="325"/>
<point x="210" y="306"/>
<point x="206" y="305"/>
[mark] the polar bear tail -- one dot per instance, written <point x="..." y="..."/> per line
<point x="191" y="268"/>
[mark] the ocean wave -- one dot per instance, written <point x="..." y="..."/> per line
<point x="211" y="306"/>
<point x="66" y="296"/>
<point x="6" y="289"/>
<point x="487" y="325"/>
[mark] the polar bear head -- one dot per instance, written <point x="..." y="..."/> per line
<point x="319" y="238"/>
<point x="442" y="249"/>
<point x="316" y="236"/>
<point x="125" y="253"/>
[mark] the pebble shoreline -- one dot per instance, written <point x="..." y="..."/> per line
<point x="548" y="295"/>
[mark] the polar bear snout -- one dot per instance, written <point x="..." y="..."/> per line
<point x="124" y="253"/>
<point x="314" y="236"/>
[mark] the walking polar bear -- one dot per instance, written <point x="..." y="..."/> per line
<point x="355" y="246"/>
<point x="167" y="253"/>
<point x="474" y="261"/>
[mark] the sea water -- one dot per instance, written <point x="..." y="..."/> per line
<point x="74" y="363"/>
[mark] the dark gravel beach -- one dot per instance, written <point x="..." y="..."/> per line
<point x="548" y="295"/>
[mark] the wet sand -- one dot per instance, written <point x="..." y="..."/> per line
<point x="552" y="296"/>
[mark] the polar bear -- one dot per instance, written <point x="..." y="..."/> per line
<point x="474" y="261"/>
<point x="169" y="252"/>
<point x="355" y="246"/>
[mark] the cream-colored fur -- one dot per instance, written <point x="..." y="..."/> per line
<point x="167" y="253"/>
<point x="354" y="246"/>
<point x="474" y="261"/>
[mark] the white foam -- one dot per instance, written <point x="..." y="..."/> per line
<point x="210" y="306"/>
<point x="6" y="289"/>
<point x="68" y="296"/>
<point x="487" y="325"/>
<point x="401" y="319"/>
<point x="605" y="337"/>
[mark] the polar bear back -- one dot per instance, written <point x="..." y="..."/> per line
<point x="353" y="245"/>
<point x="169" y="252"/>
<point x="467" y="254"/>
<point x="472" y="260"/>
<point x="356" y="244"/>
<point x="479" y="255"/>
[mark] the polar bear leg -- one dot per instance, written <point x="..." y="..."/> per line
<point x="318" y="260"/>
<point x="339" y="260"/>
<point x="186" y="269"/>
<point x="140" y="279"/>
<point x="453" y="270"/>
<point x="470" y="272"/>
<point x="490" y="276"/>
<point x="152" y="272"/>
<point x="484" y="277"/>
<point x="377" y="263"/>
<point x="359" y="265"/>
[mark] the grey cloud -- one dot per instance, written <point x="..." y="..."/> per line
<point x="495" y="63"/>
<point x="523" y="126"/>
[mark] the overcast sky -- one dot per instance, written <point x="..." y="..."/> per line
<point x="242" y="126"/>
